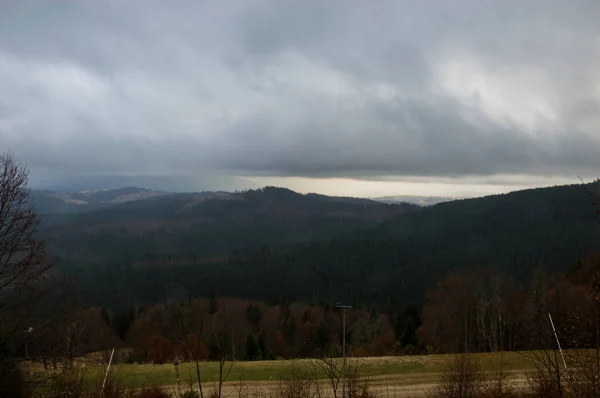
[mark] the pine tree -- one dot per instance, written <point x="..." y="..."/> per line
<point x="289" y="331"/>
<point x="262" y="347"/>
<point x="407" y="323"/>
<point x="322" y="336"/>
<point x="252" y="349"/>
<point x="122" y="321"/>
<point x="254" y="315"/>
<point x="104" y="315"/>
<point x="212" y="303"/>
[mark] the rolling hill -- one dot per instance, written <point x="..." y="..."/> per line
<point x="307" y="248"/>
<point x="57" y="202"/>
<point x="196" y="227"/>
<point x="418" y="200"/>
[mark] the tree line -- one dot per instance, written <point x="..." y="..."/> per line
<point x="485" y="311"/>
<point x="475" y="311"/>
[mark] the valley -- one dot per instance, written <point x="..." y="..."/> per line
<point x="255" y="275"/>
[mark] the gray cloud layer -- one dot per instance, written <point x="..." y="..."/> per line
<point x="302" y="88"/>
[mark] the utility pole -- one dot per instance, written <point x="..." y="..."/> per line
<point x="343" y="307"/>
<point x="27" y="331"/>
<point x="233" y="344"/>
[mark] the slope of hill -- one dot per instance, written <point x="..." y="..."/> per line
<point x="418" y="200"/>
<point x="189" y="228"/>
<point x="52" y="202"/>
<point x="394" y="261"/>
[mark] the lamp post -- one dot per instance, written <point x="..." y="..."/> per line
<point x="343" y="307"/>
<point x="27" y="331"/>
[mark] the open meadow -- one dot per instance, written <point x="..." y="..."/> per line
<point x="402" y="376"/>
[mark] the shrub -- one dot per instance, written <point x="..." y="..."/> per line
<point x="136" y="356"/>
<point x="67" y="383"/>
<point x="190" y="394"/>
<point x="151" y="392"/>
<point x="461" y="378"/>
<point x="11" y="379"/>
<point x="296" y="383"/>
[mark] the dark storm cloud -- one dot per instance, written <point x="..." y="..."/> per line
<point x="311" y="88"/>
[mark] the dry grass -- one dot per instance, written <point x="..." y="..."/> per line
<point x="387" y="376"/>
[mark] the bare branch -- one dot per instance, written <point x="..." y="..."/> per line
<point x="24" y="266"/>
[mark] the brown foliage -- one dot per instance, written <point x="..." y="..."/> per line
<point x="387" y="342"/>
<point x="160" y="350"/>
<point x="194" y="347"/>
<point x="193" y="332"/>
<point x="445" y="314"/>
<point x="98" y="334"/>
<point x="479" y="311"/>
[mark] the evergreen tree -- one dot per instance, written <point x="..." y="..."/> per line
<point x="263" y="350"/>
<point x="213" y="306"/>
<point x="284" y="303"/>
<point x="407" y="323"/>
<point x="322" y="336"/>
<point x="252" y="349"/>
<point x="122" y="321"/>
<point x="254" y="315"/>
<point x="289" y="331"/>
<point x="104" y="315"/>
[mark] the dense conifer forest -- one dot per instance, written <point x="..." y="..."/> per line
<point x="270" y="265"/>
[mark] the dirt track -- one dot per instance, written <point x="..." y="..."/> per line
<point x="386" y="386"/>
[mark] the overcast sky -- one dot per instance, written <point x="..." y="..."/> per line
<point x="350" y="97"/>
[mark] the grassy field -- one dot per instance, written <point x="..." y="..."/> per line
<point x="403" y="370"/>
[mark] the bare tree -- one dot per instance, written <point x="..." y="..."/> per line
<point x="23" y="256"/>
<point x="225" y="365"/>
<point x="191" y="341"/>
<point x="332" y="369"/>
<point x="23" y="271"/>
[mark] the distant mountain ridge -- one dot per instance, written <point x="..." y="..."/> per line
<point x="50" y="201"/>
<point x="418" y="200"/>
<point x="144" y="226"/>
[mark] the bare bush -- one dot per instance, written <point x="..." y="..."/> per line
<point x="297" y="383"/>
<point x="461" y="378"/>
<point x="332" y="368"/>
<point x="149" y="392"/>
<point x="71" y="383"/>
<point x="464" y="377"/>
<point x="357" y="385"/>
<point x="190" y="394"/>
<point x="11" y="379"/>
<point x="496" y="383"/>
<point x="580" y="379"/>
<point x="583" y="375"/>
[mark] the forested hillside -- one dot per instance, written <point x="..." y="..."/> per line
<point x="56" y="202"/>
<point x="390" y="264"/>
<point x="195" y="228"/>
